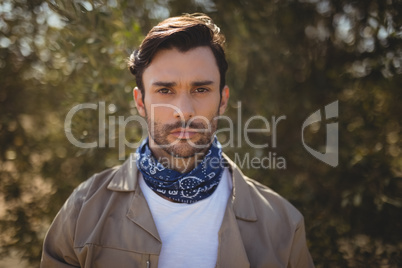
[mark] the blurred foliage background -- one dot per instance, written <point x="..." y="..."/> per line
<point x="286" y="57"/>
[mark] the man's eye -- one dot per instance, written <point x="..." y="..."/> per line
<point x="164" y="91"/>
<point x="201" y="90"/>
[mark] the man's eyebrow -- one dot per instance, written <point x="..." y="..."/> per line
<point x="164" y="84"/>
<point x="172" y="84"/>
<point x="202" y="83"/>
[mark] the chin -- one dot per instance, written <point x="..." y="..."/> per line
<point x="184" y="151"/>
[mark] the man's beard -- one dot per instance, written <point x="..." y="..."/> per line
<point x="183" y="148"/>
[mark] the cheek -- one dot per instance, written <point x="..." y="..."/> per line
<point x="209" y="108"/>
<point x="159" y="112"/>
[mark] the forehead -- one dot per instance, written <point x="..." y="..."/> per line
<point x="173" y="65"/>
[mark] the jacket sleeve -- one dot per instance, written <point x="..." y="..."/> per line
<point x="58" y="247"/>
<point x="299" y="255"/>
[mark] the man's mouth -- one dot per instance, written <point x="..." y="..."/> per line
<point x="184" y="133"/>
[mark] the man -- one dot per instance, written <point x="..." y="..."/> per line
<point x="179" y="202"/>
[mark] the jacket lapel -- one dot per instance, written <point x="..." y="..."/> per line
<point x="140" y="214"/>
<point x="231" y="252"/>
<point x="243" y="204"/>
<point x="126" y="180"/>
<point x="240" y="207"/>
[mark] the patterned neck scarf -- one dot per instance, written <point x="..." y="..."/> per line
<point x="190" y="187"/>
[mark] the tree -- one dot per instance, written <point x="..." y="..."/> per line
<point x="286" y="58"/>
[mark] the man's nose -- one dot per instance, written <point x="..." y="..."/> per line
<point x="184" y="107"/>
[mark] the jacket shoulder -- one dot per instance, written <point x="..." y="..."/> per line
<point x="86" y="189"/>
<point x="266" y="199"/>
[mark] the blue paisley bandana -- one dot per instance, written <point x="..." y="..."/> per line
<point x="189" y="187"/>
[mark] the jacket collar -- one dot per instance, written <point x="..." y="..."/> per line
<point x="126" y="180"/>
<point x="243" y="204"/>
<point x="126" y="177"/>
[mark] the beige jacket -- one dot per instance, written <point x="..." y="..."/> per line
<point x="106" y="222"/>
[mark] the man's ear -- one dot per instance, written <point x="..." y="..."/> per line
<point x="139" y="102"/>
<point x="224" y="100"/>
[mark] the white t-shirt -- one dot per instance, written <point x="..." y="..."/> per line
<point x="189" y="232"/>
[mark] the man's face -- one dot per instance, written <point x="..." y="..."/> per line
<point x="182" y="100"/>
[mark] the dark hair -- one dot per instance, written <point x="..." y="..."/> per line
<point x="184" y="33"/>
